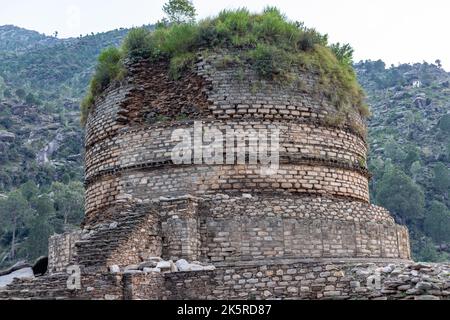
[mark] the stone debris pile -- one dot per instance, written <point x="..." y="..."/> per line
<point x="418" y="281"/>
<point x="158" y="265"/>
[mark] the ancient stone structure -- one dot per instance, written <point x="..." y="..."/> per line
<point x="306" y="232"/>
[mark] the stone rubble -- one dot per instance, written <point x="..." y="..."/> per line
<point x="158" y="265"/>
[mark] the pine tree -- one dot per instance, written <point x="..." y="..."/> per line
<point x="14" y="210"/>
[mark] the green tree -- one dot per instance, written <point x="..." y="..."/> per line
<point x="441" y="179"/>
<point x="40" y="230"/>
<point x="13" y="212"/>
<point x="20" y="93"/>
<point x="29" y="190"/>
<point x="401" y="195"/>
<point x="69" y="201"/>
<point x="416" y="170"/>
<point x="180" y="11"/>
<point x="427" y="251"/>
<point x="437" y="222"/>
<point x="444" y="123"/>
<point x="7" y="93"/>
<point x="30" y="99"/>
<point x="412" y="155"/>
<point x="43" y="205"/>
<point x="394" y="151"/>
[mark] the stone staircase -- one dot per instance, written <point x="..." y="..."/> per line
<point x="96" y="249"/>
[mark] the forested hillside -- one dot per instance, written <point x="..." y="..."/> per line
<point x="409" y="135"/>
<point x="43" y="79"/>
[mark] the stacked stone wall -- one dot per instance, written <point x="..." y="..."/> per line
<point x="153" y="144"/>
<point x="204" y="179"/>
<point x="237" y="91"/>
<point x="314" y="281"/>
<point x="224" y="229"/>
<point x="62" y="250"/>
<point x="301" y="280"/>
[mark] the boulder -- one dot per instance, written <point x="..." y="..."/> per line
<point x="173" y="267"/>
<point x="113" y="225"/>
<point x="164" y="265"/>
<point x="183" y="265"/>
<point x="420" y="102"/>
<point x="132" y="267"/>
<point x="209" y="268"/>
<point x="114" y="269"/>
<point x="152" y="270"/>
<point x="196" y="267"/>
<point x="7" y="136"/>
<point x="148" y="264"/>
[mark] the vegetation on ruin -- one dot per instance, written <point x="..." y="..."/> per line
<point x="278" y="49"/>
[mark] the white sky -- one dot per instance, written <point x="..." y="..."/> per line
<point x="392" y="30"/>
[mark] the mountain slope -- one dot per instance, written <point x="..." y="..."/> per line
<point x="42" y="80"/>
<point x="14" y="39"/>
<point x="409" y="134"/>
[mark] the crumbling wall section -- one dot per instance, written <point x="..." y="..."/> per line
<point x="62" y="251"/>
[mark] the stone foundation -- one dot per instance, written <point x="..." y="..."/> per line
<point x="229" y="229"/>
<point x="303" y="280"/>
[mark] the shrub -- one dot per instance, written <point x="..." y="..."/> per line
<point x="181" y="63"/>
<point x="272" y="27"/>
<point x="444" y="123"/>
<point x="437" y="222"/>
<point x="233" y="22"/>
<point x="109" y="69"/>
<point x="177" y="39"/>
<point x="309" y="38"/>
<point x="270" y="61"/>
<point x="344" y="53"/>
<point x="138" y="44"/>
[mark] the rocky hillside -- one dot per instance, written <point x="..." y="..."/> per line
<point x="42" y="80"/>
<point x="16" y="40"/>
<point x="409" y="134"/>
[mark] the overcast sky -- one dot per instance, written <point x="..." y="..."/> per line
<point x="392" y="30"/>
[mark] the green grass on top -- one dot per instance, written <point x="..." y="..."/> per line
<point x="271" y="43"/>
